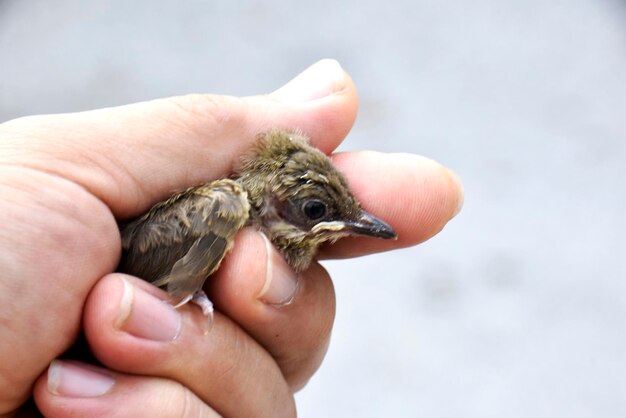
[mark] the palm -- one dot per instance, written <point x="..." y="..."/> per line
<point x="56" y="243"/>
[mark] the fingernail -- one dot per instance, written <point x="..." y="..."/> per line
<point x="321" y="79"/>
<point x="281" y="282"/>
<point x="78" y="380"/>
<point x="146" y="316"/>
<point x="461" y="193"/>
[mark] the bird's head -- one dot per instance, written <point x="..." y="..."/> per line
<point x="300" y="200"/>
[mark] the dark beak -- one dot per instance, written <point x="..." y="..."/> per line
<point x="366" y="224"/>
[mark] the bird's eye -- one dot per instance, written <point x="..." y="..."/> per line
<point x="314" y="209"/>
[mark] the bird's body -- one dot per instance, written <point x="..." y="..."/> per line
<point x="287" y="189"/>
<point x="181" y="241"/>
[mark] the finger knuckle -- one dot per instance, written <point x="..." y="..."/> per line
<point x="218" y="110"/>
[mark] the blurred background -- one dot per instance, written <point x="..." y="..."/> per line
<point x="518" y="308"/>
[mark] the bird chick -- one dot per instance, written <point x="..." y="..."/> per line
<point x="287" y="189"/>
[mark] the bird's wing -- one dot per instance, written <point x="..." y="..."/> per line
<point x="182" y="241"/>
<point x="189" y="273"/>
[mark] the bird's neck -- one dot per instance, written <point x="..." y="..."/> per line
<point x="293" y="243"/>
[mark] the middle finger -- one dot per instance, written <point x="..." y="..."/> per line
<point x="223" y="366"/>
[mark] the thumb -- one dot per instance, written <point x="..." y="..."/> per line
<point x="131" y="156"/>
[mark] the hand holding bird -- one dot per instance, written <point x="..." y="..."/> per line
<point x="67" y="179"/>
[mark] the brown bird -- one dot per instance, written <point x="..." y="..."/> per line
<point x="287" y="189"/>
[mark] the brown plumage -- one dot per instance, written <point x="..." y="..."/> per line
<point x="286" y="188"/>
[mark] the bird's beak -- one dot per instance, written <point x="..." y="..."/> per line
<point x="366" y="224"/>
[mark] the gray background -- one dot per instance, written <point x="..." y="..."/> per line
<point x="518" y="309"/>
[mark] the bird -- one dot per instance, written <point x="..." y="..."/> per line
<point x="286" y="188"/>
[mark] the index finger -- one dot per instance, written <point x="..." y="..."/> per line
<point x="416" y="196"/>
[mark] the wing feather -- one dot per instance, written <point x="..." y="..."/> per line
<point x="182" y="241"/>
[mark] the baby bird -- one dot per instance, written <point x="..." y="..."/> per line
<point x="287" y="189"/>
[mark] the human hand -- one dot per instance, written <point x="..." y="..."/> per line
<point x="64" y="181"/>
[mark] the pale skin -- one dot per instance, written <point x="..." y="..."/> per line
<point x="66" y="179"/>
